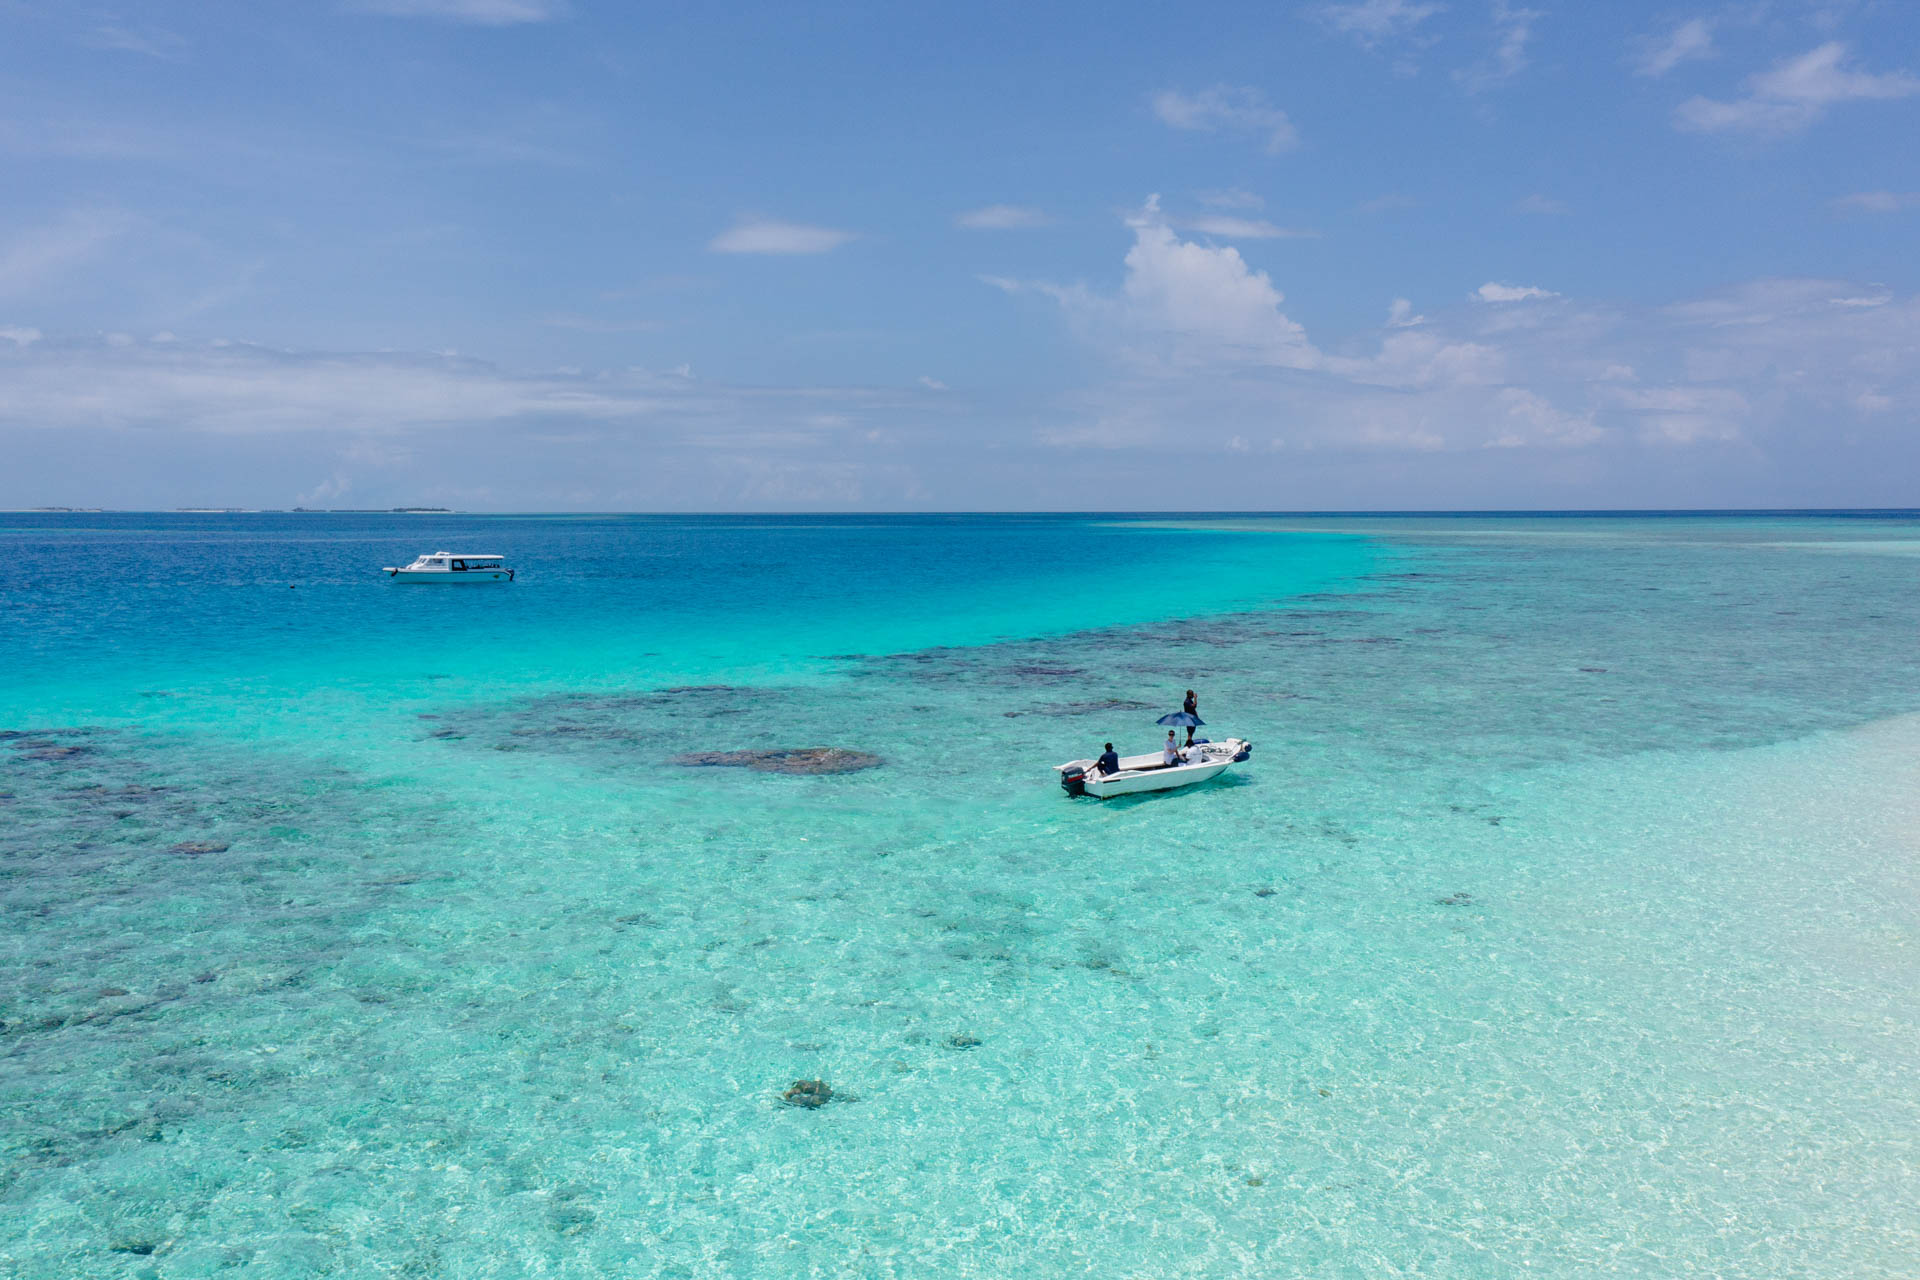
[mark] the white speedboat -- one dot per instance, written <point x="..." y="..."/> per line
<point x="444" y="566"/>
<point x="1199" y="763"/>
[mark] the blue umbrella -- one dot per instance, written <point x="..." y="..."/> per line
<point x="1184" y="719"/>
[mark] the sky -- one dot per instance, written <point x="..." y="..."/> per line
<point x="560" y="255"/>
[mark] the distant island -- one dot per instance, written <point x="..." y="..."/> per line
<point x="229" y="511"/>
<point x="374" y="511"/>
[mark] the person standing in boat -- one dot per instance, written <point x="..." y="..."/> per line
<point x="1192" y="707"/>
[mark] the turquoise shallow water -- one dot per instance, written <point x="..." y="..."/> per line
<point x="1563" y="923"/>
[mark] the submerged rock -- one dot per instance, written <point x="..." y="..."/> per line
<point x="54" y="752"/>
<point x="194" y="848"/>
<point x="961" y="1040"/>
<point x="1460" y="899"/>
<point x="808" y="1093"/>
<point x="801" y="760"/>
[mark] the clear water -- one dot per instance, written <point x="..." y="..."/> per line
<point x="1565" y="921"/>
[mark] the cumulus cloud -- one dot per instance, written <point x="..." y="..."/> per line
<point x="1226" y="109"/>
<point x="486" y="13"/>
<point x="1199" y="350"/>
<point x="1493" y="291"/>
<point x="1658" y="55"/>
<point x="1206" y="298"/>
<point x="1794" y="94"/>
<point x="764" y="235"/>
<point x="1001" y="217"/>
<point x="1371" y="22"/>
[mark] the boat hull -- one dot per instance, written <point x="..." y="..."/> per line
<point x="1127" y="784"/>
<point x="450" y="578"/>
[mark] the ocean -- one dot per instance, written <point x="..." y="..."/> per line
<point x="1565" y="921"/>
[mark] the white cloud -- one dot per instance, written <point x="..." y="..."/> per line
<point x="1001" y="217"/>
<point x="1512" y="31"/>
<point x="1794" y="94"/>
<point x="1207" y="299"/>
<point x="1660" y="54"/>
<point x="1878" y="201"/>
<point x="1233" y="110"/>
<point x="487" y="13"/>
<point x="165" y="423"/>
<point x="1683" y="414"/>
<point x="768" y="236"/>
<point x="1199" y="350"/>
<point x="932" y="384"/>
<point x="1412" y="357"/>
<point x="1230" y="228"/>
<point x="1537" y="203"/>
<point x="1493" y="291"/>
<point x="20" y="335"/>
<point x="1372" y="21"/>
<point x="1526" y="418"/>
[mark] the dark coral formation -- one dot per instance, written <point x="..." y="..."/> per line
<point x="810" y="1094"/>
<point x="807" y="761"/>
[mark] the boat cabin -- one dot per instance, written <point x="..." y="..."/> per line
<point x="445" y="566"/>
<point x="447" y="562"/>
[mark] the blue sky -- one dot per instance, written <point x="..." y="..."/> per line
<point x="559" y="254"/>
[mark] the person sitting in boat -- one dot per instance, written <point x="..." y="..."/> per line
<point x="1170" y="752"/>
<point x="1109" y="761"/>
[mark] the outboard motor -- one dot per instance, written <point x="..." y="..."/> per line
<point x="1074" y="781"/>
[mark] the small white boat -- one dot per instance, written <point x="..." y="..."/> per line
<point x="444" y="566"/>
<point x="1199" y="763"/>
